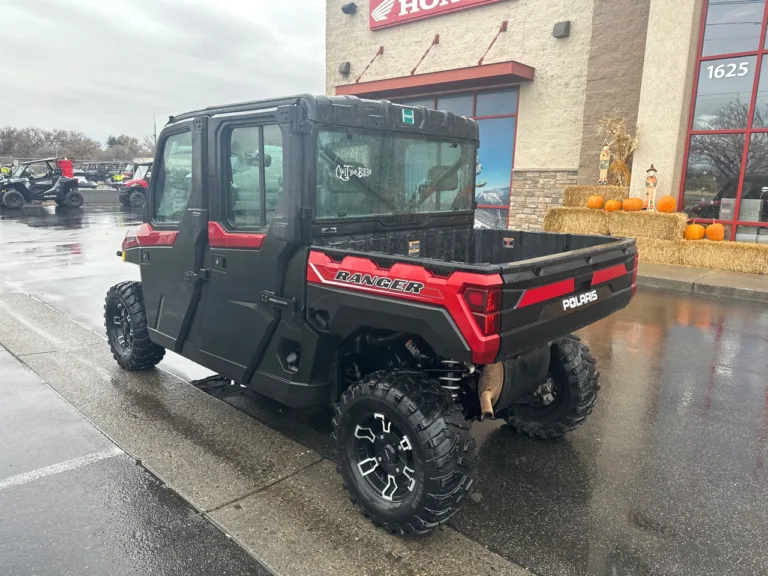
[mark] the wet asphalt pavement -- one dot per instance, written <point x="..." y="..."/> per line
<point x="667" y="477"/>
<point x="72" y="503"/>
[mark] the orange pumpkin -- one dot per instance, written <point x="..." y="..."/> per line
<point x="612" y="206"/>
<point x="715" y="232"/>
<point x="694" y="232"/>
<point x="595" y="202"/>
<point x="666" y="204"/>
<point x="632" y="205"/>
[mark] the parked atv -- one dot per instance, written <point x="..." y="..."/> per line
<point x="133" y="192"/>
<point x="365" y="287"/>
<point x="39" y="180"/>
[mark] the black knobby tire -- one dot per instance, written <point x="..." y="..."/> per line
<point x="575" y="382"/>
<point x="13" y="199"/>
<point x="73" y="199"/>
<point x="123" y="200"/>
<point x="442" y="453"/>
<point x="134" y="351"/>
<point x="136" y="200"/>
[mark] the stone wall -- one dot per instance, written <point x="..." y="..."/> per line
<point x="533" y="192"/>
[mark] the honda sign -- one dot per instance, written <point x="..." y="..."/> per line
<point x="393" y="12"/>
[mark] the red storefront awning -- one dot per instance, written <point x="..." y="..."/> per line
<point x="473" y="77"/>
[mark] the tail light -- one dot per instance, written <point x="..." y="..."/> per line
<point x="485" y="305"/>
<point x="131" y="239"/>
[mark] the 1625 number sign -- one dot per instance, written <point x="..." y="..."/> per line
<point x="731" y="70"/>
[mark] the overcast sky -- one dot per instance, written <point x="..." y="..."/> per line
<point x="107" y="66"/>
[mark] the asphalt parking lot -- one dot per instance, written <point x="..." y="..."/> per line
<point x="668" y="476"/>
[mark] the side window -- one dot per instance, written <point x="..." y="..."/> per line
<point x="174" y="179"/>
<point x="273" y="172"/>
<point x="255" y="181"/>
<point x="244" y="201"/>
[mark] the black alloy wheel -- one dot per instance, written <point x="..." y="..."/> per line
<point x="384" y="458"/>
<point x="404" y="451"/>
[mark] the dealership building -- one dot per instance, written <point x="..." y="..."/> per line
<point x="538" y="74"/>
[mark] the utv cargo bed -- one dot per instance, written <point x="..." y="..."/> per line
<point x="550" y="284"/>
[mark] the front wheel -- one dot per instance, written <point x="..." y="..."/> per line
<point x="13" y="199"/>
<point x="126" y="322"/>
<point x="566" y="399"/>
<point x="136" y="200"/>
<point x="404" y="451"/>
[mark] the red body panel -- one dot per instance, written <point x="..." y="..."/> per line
<point x="445" y="292"/>
<point x="218" y="237"/>
<point x="147" y="236"/>
<point x="547" y="292"/>
<point x="608" y="274"/>
<point x="132" y="183"/>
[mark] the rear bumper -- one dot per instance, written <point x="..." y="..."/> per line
<point x="554" y="322"/>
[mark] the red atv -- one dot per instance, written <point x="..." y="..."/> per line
<point x="133" y="193"/>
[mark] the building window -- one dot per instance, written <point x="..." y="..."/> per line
<point x="496" y="115"/>
<point x="726" y="177"/>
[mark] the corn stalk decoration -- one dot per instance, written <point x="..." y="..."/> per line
<point x="621" y="144"/>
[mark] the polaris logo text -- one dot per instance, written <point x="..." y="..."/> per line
<point x="580" y="300"/>
<point x="395" y="285"/>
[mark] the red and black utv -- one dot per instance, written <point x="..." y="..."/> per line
<point x="133" y="192"/>
<point x="322" y="251"/>
<point x="40" y="180"/>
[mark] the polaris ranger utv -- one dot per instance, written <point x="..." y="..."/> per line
<point x="322" y="251"/>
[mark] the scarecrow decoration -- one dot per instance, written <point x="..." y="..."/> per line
<point x="605" y="163"/>
<point x="650" y="188"/>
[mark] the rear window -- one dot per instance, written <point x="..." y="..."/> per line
<point x="363" y="173"/>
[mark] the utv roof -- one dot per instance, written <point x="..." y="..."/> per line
<point x="354" y="112"/>
<point x="43" y="160"/>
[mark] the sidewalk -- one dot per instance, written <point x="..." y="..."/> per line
<point x="72" y="502"/>
<point x="718" y="283"/>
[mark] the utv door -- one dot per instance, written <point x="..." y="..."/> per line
<point x="172" y="257"/>
<point x="249" y="243"/>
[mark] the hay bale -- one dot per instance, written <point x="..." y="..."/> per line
<point x="648" y="223"/>
<point x="576" y="220"/>
<point x="576" y="196"/>
<point x="659" y="251"/>
<point x="732" y="256"/>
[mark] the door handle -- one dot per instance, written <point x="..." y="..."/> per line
<point x="277" y="302"/>
<point x="203" y="275"/>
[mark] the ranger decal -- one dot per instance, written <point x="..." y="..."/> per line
<point x="396" y="285"/>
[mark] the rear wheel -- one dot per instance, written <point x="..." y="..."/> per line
<point x="73" y="199"/>
<point x="566" y="399"/>
<point x="404" y="451"/>
<point x="13" y="199"/>
<point x="136" y="199"/>
<point x="126" y="322"/>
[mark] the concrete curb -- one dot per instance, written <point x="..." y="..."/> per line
<point x="713" y="283"/>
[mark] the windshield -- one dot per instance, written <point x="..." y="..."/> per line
<point x="363" y="173"/>
<point x="19" y="170"/>
<point x="141" y="171"/>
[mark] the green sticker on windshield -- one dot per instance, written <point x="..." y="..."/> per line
<point x="409" y="117"/>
